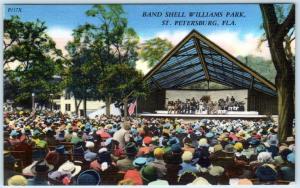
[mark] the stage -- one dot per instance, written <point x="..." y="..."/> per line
<point x="191" y="117"/>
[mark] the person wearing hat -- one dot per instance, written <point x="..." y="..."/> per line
<point x="54" y="158"/>
<point x="89" y="177"/>
<point x="174" y="156"/>
<point x="148" y="174"/>
<point x="139" y="162"/>
<point x="25" y="154"/>
<point x="60" y="155"/>
<point x="9" y="166"/>
<point x="60" y="135"/>
<point x="215" y="175"/>
<point x="159" y="163"/>
<point x="273" y="145"/>
<point x="287" y="170"/>
<point x="186" y="165"/>
<point x="17" y="180"/>
<point x="200" y="181"/>
<point x="146" y="148"/>
<point x="70" y="167"/>
<point x="40" y="171"/>
<point x="262" y="158"/>
<point x="185" y="178"/>
<point x="266" y="172"/>
<point x="122" y="136"/>
<point x="134" y="174"/>
<point x="89" y="155"/>
<point x="188" y="145"/>
<point x="127" y="163"/>
<point x="76" y="137"/>
<point x="49" y="137"/>
<point x="202" y="155"/>
<point x="290" y="140"/>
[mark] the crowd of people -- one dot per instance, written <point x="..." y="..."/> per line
<point x="46" y="148"/>
<point x="204" y="105"/>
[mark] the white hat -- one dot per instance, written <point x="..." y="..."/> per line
<point x="159" y="182"/>
<point x="290" y="139"/>
<point x="70" y="167"/>
<point x="102" y="150"/>
<point x="200" y="181"/>
<point x="264" y="157"/>
<point x="89" y="144"/>
<point x="27" y="170"/>
<point x="187" y="156"/>
<point x="216" y="171"/>
<point x="203" y="142"/>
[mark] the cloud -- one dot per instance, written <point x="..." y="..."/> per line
<point x="142" y="66"/>
<point x="228" y="40"/>
<point x="173" y="36"/>
<point x="235" y="45"/>
<point x="61" y="37"/>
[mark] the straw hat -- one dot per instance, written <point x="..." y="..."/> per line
<point x="17" y="180"/>
<point x="200" y="181"/>
<point x="218" y="147"/>
<point x="203" y="142"/>
<point x="216" y="171"/>
<point x="70" y="167"/>
<point x="89" y="144"/>
<point x="158" y="152"/>
<point x="264" y="157"/>
<point x="187" y="156"/>
<point x="238" y="146"/>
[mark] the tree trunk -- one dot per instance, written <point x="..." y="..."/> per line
<point x="285" y="85"/>
<point x="77" y="105"/>
<point x="286" y="106"/>
<point x="107" y="105"/>
<point x="285" y="78"/>
<point x="84" y="107"/>
<point x="125" y="101"/>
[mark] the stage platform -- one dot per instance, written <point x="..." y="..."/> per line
<point x="191" y="117"/>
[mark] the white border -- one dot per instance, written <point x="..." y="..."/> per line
<point x="297" y="88"/>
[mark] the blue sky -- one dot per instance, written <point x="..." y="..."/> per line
<point x="70" y="16"/>
<point x="241" y="39"/>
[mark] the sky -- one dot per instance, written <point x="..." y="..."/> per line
<point x="238" y="39"/>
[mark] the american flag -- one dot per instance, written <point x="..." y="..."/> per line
<point x="131" y="108"/>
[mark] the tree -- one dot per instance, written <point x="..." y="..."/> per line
<point x="84" y="71"/>
<point x="154" y="49"/>
<point x="276" y="32"/>
<point x="120" y="81"/>
<point x="30" y="62"/>
<point x="114" y="42"/>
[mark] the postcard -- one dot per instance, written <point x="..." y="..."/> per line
<point x="149" y="94"/>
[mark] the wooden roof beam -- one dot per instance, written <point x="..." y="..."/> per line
<point x="200" y="54"/>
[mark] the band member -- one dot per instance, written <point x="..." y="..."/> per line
<point x="201" y="106"/>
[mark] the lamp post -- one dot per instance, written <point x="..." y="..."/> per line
<point x="51" y="101"/>
<point x="33" y="106"/>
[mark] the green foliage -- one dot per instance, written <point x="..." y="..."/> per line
<point x="154" y="49"/>
<point x="104" y="56"/>
<point x="35" y="60"/>
<point x="120" y="81"/>
<point x="204" y="85"/>
<point x="262" y="66"/>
